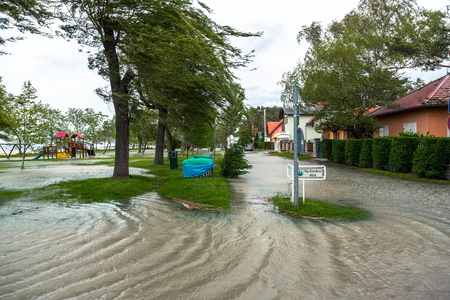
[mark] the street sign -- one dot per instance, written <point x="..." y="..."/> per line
<point x="305" y="173"/>
<point x="308" y="172"/>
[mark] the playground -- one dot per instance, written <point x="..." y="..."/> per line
<point x="65" y="147"/>
<point x="68" y="147"/>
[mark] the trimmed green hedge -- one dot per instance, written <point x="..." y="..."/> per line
<point x="426" y="156"/>
<point x="432" y="157"/>
<point x="339" y="151"/>
<point x="327" y="148"/>
<point x="380" y="152"/>
<point x="353" y="151"/>
<point x="402" y="153"/>
<point x="365" y="158"/>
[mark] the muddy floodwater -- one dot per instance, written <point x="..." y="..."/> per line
<point x="151" y="249"/>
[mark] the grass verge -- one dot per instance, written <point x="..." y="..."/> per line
<point x="211" y="193"/>
<point x="319" y="210"/>
<point x="193" y="193"/>
<point x="289" y="155"/>
<point x="97" y="189"/>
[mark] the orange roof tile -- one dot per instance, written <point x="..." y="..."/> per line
<point x="434" y="93"/>
<point x="272" y="126"/>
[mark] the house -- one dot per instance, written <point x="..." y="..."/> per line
<point x="275" y="132"/>
<point x="305" y="122"/>
<point x="424" y="111"/>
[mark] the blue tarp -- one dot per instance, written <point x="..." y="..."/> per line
<point x="194" y="170"/>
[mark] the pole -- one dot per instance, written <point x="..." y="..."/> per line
<point x="215" y="127"/>
<point x="296" y="141"/>
<point x="265" y="125"/>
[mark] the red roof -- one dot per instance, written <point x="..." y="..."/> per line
<point x="272" y="126"/>
<point x="62" y="134"/>
<point x="435" y="93"/>
<point x="76" y="134"/>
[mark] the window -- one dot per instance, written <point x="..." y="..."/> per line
<point x="410" y="127"/>
<point x="384" y="130"/>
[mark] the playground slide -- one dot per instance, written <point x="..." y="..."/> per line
<point x="39" y="155"/>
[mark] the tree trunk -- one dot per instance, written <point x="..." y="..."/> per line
<point x="159" y="150"/>
<point x="119" y="91"/>
<point x="169" y="142"/>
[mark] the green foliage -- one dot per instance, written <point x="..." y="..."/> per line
<point x="402" y="153"/>
<point x="25" y="16"/>
<point x="432" y="157"/>
<point x="353" y="151"/>
<point x="319" y="209"/>
<point x="339" y="151"/>
<point x="234" y="163"/>
<point x="380" y="152"/>
<point x="327" y="148"/>
<point x="365" y="158"/>
<point x="356" y="63"/>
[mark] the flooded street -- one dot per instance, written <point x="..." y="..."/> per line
<point x="151" y="249"/>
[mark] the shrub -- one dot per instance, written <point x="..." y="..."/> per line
<point x="339" y="151"/>
<point x="380" y="152"/>
<point x="432" y="157"/>
<point x="402" y="153"/>
<point x="234" y="163"/>
<point x="352" y="152"/>
<point x="327" y="148"/>
<point x="365" y="158"/>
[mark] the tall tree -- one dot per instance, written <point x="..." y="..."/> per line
<point x="152" y="38"/>
<point x="104" y="25"/>
<point x="26" y="114"/>
<point x="351" y="66"/>
<point x="191" y="79"/>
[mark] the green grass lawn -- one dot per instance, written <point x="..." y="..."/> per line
<point x="289" y="155"/>
<point x="207" y="193"/>
<point x="314" y="209"/>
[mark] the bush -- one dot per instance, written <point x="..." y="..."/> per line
<point x="339" y="151"/>
<point x="380" y="152"/>
<point x="353" y="151"/>
<point x="365" y="158"/>
<point x="234" y="163"/>
<point x="327" y="148"/>
<point x="432" y="157"/>
<point x="402" y="153"/>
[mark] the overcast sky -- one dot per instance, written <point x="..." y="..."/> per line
<point x="59" y="71"/>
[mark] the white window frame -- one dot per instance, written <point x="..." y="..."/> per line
<point x="384" y="130"/>
<point x="410" y="127"/>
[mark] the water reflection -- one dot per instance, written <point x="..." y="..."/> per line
<point x="152" y="249"/>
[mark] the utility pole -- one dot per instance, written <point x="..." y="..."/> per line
<point x="296" y="141"/>
<point x="265" y="125"/>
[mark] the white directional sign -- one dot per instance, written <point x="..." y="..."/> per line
<point x="308" y="172"/>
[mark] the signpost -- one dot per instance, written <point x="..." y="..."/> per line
<point x="304" y="173"/>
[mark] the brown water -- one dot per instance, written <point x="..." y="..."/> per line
<point x="151" y="249"/>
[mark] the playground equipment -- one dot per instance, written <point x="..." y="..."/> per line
<point x="68" y="147"/>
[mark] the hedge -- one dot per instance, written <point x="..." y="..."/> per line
<point x="339" y="151"/>
<point x="365" y="158"/>
<point x="380" y="152"/>
<point x="353" y="151"/>
<point x="402" y="153"/>
<point x="327" y="149"/>
<point x="432" y="157"/>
